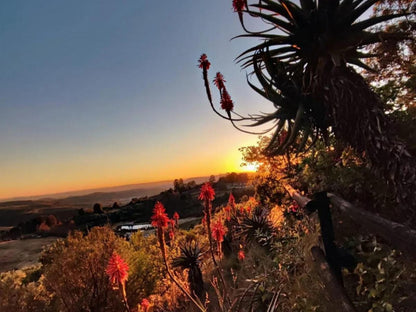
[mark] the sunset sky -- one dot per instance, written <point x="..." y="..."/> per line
<point x="104" y="92"/>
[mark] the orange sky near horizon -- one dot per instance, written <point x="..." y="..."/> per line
<point x="75" y="175"/>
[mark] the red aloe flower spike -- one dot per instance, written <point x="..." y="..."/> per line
<point x="239" y="5"/>
<point x="117" y="269"/>
<point x="159" y="219"/>
<point x="145" y="304"/>
<point x="231" y="201"/>
<point x="207" y="192"/>
<point x="219" y="81"/>
<point x="176" y="216"/>
<point x="203" y="62"/>
<point x="228" y="213"/>
<point x="241" y="255"/>
<point x="226" y="102"/>
<point x="218" y="231"/>
<point x="171" y="234"/>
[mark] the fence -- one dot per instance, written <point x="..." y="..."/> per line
<point x="397" y="235"/>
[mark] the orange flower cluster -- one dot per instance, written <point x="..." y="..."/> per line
<point x="218" y="231"/>
<point x="207" y="192"/>
<point x="231" y="201"/>
<point x="159" y="219"/>
<point x="145" y="304"/>
<point x="228" y="213"/>
<point x="117" y="269"/>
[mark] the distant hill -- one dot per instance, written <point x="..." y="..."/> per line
<point x="13" y="212"/>
<point x="110" y="189"/>
<point x="65" y="205"/>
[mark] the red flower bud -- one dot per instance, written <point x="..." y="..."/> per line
<point x="219" y="81"/>
<point x="226" y="102"/>
<point x="239" y="5"/>
<point x="203" y="62"/>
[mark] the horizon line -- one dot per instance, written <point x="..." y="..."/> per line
<point x="98" y="189"/>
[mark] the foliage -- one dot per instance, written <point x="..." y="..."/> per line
<point x="75" y="271"/>
<point x="190" y="258"/>
<point x="382" y="279"/>
<point x="97" y="208"/>
<point x="383" y="276"/>
<point x="256" y="228"/>
<point x="17" y="294"/>
<point x="395" y="79"/>
<point x="270" y="171"/>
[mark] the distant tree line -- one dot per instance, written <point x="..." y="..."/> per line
<point x="180" y="186"/>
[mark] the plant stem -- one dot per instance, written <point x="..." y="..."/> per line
<point x="126" y="305"/>
<point x="162" y="245"/>
<point x="211" y="248"/>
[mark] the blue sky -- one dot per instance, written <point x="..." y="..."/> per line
<point x="101" y="93"/>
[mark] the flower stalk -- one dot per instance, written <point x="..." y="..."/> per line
<point x="117" y="270"/>
<point x="207" y="195"/>
<point x="160" y="220"/>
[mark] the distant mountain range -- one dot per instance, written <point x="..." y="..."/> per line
<point x="64" y="205"/>
<point x="90" y="193"/>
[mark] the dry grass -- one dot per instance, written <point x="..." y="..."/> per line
<point x="17" y="254"/>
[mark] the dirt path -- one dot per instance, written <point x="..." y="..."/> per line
<point x="16" y="254"/>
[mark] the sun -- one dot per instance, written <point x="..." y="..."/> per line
<point x="250" y="167"/>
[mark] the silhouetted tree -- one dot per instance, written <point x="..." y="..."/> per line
<point x="190" y="185"/>
<point x="51" y="220"/>
<point x="97" y="208"/>
<point x="178" y="185"/>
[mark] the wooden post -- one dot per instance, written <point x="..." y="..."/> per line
<point x="301" y="200"/>
<point x="336" y="291"/>
<point x="331" y="280"/>
<point x="397" y="235"/>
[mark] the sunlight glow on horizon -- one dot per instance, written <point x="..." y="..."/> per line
<point x="136" y="173"/>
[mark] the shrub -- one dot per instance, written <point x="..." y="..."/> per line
<point x="17" y="294"/>
<point x="74" y="271"/>
<point x="97" y="208"/>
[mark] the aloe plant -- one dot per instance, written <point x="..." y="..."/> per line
<point x="306" y="65"/>
<point x="190" y="258"/>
